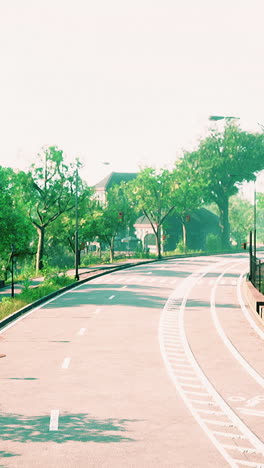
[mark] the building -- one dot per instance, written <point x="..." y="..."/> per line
<point x="200" y="224"/>
<point x="114" y="178"/>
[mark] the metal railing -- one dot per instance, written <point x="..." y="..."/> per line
<point x="257" y="273"/>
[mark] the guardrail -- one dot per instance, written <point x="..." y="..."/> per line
<point x="257" y="273"/>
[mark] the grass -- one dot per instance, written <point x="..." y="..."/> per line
<point x="29" y="295"/>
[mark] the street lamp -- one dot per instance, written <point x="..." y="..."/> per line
<point x="221" y="117"/>
<point x="12" y="271"/>
<point x="76" y="227"/>
<point x="255" y="220"/>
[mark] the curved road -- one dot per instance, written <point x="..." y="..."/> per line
<point x="160" y="365"/>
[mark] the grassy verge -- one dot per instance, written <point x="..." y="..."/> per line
<point x="29" y="295"/>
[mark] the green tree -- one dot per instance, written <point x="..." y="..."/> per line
<point x="15" y="228"/>
<point x="48" y="192"/>
<point x="114" y="216"/>
<point x="260" y="217"/>
<point x="187" y="195"/>
<point x="61" y="233"/>
<point x="153" y="194"/>
<point x="223" y="159"/>
<point x="241" y="219"/>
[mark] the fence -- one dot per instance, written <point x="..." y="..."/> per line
<point x="257" y="273"/>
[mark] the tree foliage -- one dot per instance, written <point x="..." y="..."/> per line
<point x="223" y="159"/>
<point x="48" y="192"/>
<point x="187" y="194"/>
<point x="241" y="219"/>
<point x="61" y="234"/>
<point x="15" y="230"/>
<point x="153" y="194"/>
<point x="114" y="216"/>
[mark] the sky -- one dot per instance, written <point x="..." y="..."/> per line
<point x="130" y="83"/>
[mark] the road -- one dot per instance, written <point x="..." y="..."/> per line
<point x="160" y="365"/>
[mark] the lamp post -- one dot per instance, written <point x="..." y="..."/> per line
<point x="255" y="220"/>
<point x="12" y="271"/>
<point x="221" y="117"/>
<point x="76" y="227"/>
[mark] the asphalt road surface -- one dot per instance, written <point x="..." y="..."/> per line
<point x="160" y="365"/>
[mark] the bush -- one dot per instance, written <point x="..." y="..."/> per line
<point x="181" y="248"/>
<point x="90" y="259"/>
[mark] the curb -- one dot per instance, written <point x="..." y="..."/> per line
<point x="255" y="300"/>
<point x="15" y="315"/>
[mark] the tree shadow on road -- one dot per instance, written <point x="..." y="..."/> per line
<point x="196" y="303"/>
<point x="162" y="273"/>
<point x="129" y="298"/>
<point x="79" y="427"/>
<point x="4" y="454"/>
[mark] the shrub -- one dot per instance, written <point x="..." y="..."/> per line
<point x="90" y="259"/>
<point x="180" y="248"/>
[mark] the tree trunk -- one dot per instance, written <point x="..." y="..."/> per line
<point x="184" y="236"/>
<point x="40" y="250"/>
<point x="224" y="223"/>
<point x="158" y="246"/>
<point x="112" y="249"/>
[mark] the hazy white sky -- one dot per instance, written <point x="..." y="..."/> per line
<point x="129" y="82"/>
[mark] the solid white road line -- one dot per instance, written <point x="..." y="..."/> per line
<point x="244" y="308"/>
<point x="66" y="363"/>
<point x="251" y="371"/>
<point x="54" y="420"/>
<point x="183" y="293"/>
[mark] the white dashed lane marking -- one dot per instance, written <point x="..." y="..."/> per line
<point x="66" y="363"/>
<point x="54" y="420"/>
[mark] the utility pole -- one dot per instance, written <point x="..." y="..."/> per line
<point x="76" y="227"/>
<point x="255" y="221"/>
<point x="12" y="271"/>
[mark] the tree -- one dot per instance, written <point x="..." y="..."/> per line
<point x="153" y="194"/>
<point x="223" y="159"/>
<point x="241" y="219"/>
<point x="188" y="194"/>
<point x="16" y="231"/>
<point x="48" y="191"/>
<point x="114" y="216"/>
<point x="260" y="217"/>
<point x="62" y="233"/>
